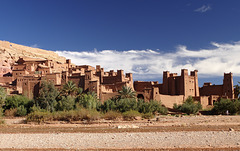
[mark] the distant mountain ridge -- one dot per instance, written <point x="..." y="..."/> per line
<point x="11" y="52"/>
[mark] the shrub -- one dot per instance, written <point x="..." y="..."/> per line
<point x="189" y="106"/>
<point x="93" y="115"/>
<point x="3" y="95"/>
<point x="66" y="115"/>
<point x="225" y="105"/>
<point x="124" y="105"/>
<point x="16" y="101"/>
<point x="39" y="117"/>
<point x="2" y="121"/>
<point x="151" y="107"/>
<point x="34" y="108"/>
<point x="109" y="105"/>
<point x="73" y="115"/>
<point x="10" y="112"/>
<point x="21" y="111"/>
<point x="130" y="115"/>
<point x="148" y="116"/>
<point x="112" y="115"/>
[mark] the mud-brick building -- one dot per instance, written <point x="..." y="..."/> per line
<point x="175" y="89"/>
<point x="27" y="74"/>
<point x="105" y="84"/>
<point x="211" y="93"/>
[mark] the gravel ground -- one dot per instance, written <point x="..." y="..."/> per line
<point x="153" y="140"/>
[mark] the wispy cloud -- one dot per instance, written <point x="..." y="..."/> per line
<point x="149" y="64"/>
<point x="34" y="46"/>
<point x="203" y="9"/>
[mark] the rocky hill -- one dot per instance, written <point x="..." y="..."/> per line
<point x="11" y="52"/>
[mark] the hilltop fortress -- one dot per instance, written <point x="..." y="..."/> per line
<point x="22" y="69"/>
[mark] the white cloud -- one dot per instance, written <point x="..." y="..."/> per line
<point x="149" y="64"/>
<point x="203" y="9"/>
<point x="34" y="46"/>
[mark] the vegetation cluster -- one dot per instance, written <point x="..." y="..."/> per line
<point x="72" y="104"/>
<point x="189" y="106"/>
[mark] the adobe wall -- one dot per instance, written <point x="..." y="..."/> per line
<point x="18" y="67"/>
<point x="107" y="88"/>
<point x="174" y="86"/>
<point x="4" y="80"/>
<point x="211" y="90"/>
<point x="114" y="77"/>
<point x="30" y="88"/>
<point x="109" y="79"/>
<point x="190" y="86"/>
<point x="17" y="73"/>
<point x="106" y="96"/>
<point x="44" y="70"/>
<point x="55" y="78"/>
<point x="78" y="80"/>
<point x="146" y="94"/>
<point x="169" y="100"/>
<point x="228" y="89"/>
<point x="94" y="87"/>
<point x="180" y="85"/>
<point x="139" y="86"/>
<point x="204" y="100"/>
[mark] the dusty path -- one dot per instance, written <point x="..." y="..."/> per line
<point x="170" y="133"/>
<point x="153" y="140"/>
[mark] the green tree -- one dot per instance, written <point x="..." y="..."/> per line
<point x="3" y="96"/>
<point x="126" y="92"/>
<point x="47" y="96"/>
<point x="90" y="101"/>
<point x="237" y="90"/>
<point x="66" y="103"/>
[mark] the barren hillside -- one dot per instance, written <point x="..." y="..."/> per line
<point x="10" y="52"/>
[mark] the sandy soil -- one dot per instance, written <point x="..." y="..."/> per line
<point x="168" y="133"/>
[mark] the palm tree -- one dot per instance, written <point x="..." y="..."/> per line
<point x="69" y="88"/>
<point x="79" y="94"/>
<point x="126" y="92"/>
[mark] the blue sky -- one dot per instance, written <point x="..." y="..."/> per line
<point x="144" y="37"/>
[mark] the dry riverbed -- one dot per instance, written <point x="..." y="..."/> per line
<point x="167" y="133"/>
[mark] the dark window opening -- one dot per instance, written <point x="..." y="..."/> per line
<point x="140" y="96"/>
